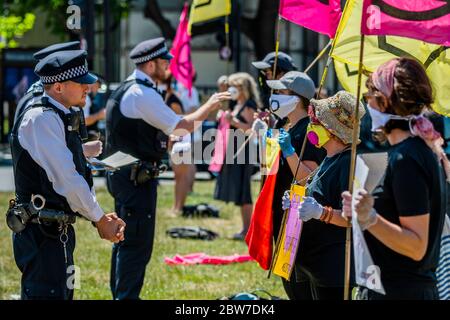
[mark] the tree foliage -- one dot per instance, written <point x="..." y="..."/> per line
<point x="56" y="11"/>
<point x="13" y="27"/>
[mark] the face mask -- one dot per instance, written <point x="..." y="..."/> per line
<point x="317" y="135"/>
<point x="162" y="87"/>
<point x="234" y="92"/>
<point x="282" y="104"/>
<point x="379" y="119"/>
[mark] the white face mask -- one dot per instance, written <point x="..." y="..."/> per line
<point x="282" y="104"/>
<point x="162" y="87"/>
<point x="234" y="92"/>
<point x="379" y="119"/>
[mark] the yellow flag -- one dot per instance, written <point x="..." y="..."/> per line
<point x="286" y="250"/>
<point x="379" y="49"/>
<point x="204" y="10"/>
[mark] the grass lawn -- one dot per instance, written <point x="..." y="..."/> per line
<point x="92" y="255"/>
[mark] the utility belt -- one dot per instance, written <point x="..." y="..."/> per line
<point x="19" y="215"/>
<point x="144" y="171"/>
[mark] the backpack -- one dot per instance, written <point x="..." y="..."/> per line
<point x="200" y="210"/>
<point x="192" y="233"/>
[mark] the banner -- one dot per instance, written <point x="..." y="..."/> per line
<point x="286" y="251"/>
<point x="426" y="20"/>
<point x="318" y="15"/>
<point x="367" y="274"/>
<point x="204" y="10"/>
<point x="181" y="65"/>
<point x="379" y="49"/>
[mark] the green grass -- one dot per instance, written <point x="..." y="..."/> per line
<point x="92" y="255"/>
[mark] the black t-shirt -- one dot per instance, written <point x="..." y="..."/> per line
<point x="321" y="253"/>
<point x="413" y="185"/>
<point x="285" y="175"/>
<point x="174" y="99"/>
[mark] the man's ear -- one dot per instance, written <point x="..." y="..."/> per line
<point x="58" y="87"/>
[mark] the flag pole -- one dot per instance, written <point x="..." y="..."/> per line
<point x="277" y="47"/>
<point x="321" y="53"/>
<point x="352" y="171"/>
<point x="227" y="42"/>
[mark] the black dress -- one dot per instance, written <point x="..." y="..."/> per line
<point x="234" y="180"/>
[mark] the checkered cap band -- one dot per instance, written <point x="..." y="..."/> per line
<point x="151" y="56"/>
<point x="66" y="75"/>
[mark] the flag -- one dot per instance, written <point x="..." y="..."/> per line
<point x="204" y="10"/>
<point x="181" y="65"/>
<point x="426" y="20"/>
<point x="318" y="15"/>
<point x="379" y="49"/>
<point x="286" y="251"/>
<point x="259" y="237"/>
<point x="220" y="144"/>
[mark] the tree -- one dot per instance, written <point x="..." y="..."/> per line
<point x="260" y="29"/>
<point x="57" y="12"/>
<point x="13" y="27"/>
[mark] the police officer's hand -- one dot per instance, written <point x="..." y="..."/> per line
<point x="111" y="227"/>
<point x="218" y="97"/>
<point x="92" y="148"/>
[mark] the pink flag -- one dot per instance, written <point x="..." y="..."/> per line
<point x="181" y="65"/>
<point x="426" y="20"/>
<point x="318" y="15"/>
<point x="202" y="258"/>
<point x="220" y="145"/>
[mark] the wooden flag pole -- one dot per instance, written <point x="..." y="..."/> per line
<point x="321" y="53"/>
<point x="352" y="171"/>
<point x="227" y="43"/>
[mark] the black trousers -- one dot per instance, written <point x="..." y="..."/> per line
<point x="406" y="291"/>
<point x="308" y="291"/>
<point x="39" y="255"/>
<point x="136" y="205"/>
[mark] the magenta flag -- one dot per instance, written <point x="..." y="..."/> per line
<point x="181" y="65"/>
<point x="318" y="15"/>
<point x="426" y="20"/>
<point x="220" y="146"/>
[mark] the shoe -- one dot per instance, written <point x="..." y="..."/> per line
<point x="239" y="236"/>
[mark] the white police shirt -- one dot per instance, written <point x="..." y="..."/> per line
<point x="140" y="102"/>
<point x="42" y="134"/>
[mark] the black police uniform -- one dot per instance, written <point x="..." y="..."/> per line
<point x="134" y="188"/>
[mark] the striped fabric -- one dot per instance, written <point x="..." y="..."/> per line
<point x="443" y="270"/>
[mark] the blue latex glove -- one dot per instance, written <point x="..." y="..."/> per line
<point x="286" y="201"/>
<point x="309" y="209"/>
<point x="284" y="139"/>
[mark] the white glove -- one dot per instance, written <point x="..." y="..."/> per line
<point x="285" y="200"/>
<point x="92" y="148"/>
<point x="258" y="126"/>
<point x="309" y="209"/>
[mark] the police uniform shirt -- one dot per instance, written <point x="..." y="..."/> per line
<point x="141" y="102"/>
<point x="42" y="134"/>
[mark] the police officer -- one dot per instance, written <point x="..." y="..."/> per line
<point x="37" y="89"/>
<point x="137" y="123"/>
<point x="52" y="181"/>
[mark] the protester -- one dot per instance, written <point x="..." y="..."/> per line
<point x="404" y="216"/>
<point x="180" y="146"/>
<point x="294" y="91"/>
<point x="319" y="269"/>
<point x="233" y="182"/>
